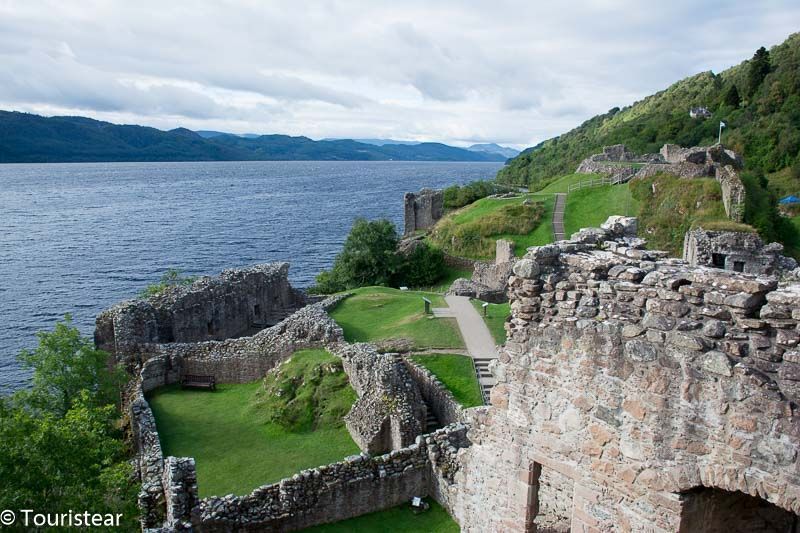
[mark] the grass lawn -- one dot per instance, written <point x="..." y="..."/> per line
<point x="588" y="208"/>
<point x="457" y="374"/>
<point x="496" y="319"/>
<point x="234" y="449"/>
<point x="398" y="519"/>
<point x="380" y="313"/>
<point x="562" y="184"/>
<point x="543" y="234"/>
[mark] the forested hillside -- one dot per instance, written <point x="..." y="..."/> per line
<point x="26" y="138"/>
<point x="759" y="100"/>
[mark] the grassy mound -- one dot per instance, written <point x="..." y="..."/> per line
<point x="495" y="319"/>
<point x="309" y="391"/>
<point x="457" y="374"/>
<point x="398" y="519"/>
<point x="670" y="206"/>
<point x="590" y="207"/>
<point x="235" y="448"/>
<point x="473" y="230"/>
<point x="380" y="313"/>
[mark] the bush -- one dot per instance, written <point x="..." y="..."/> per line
<point x="477" y="237"/>
<point x="457" y="196"/>
<point x="423" y="267"/>
<point x="171" y="278"/>
<point x="368" y="257"/>
<point x="60" y="443"/>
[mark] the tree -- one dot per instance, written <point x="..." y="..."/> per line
<point x="64" y="364"/>
<point x="61" y="448"/>
<point x="758" y="69"/>
<point x="423" y="267"/>
<point x="368" y="257"/>
<point x="53" y="463"/>
<point x="731" y="97"/>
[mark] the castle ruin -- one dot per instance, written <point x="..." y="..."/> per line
<point x="422" y="210"/>
<point x="636" y="392"/>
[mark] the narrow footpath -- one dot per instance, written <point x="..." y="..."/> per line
<point x="558" y="217"/>
<point x="477" y="337"/>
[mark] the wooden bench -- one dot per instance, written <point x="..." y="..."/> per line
<point x="192" y="381"/>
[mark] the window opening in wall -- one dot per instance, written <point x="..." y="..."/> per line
<point x="738" y="266"/>
<point x="257" y="310"/>
<point x="718" y="260"/>
<point x="210" y="327"/>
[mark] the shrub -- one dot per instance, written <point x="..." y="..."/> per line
<point x="368" y="257"/>
<point x="171" y="278"/>
<point x="457" y="196"/>
<point x="423" y="267"/>
<point x="60" y="443"/>
<point x="476" y="237"/>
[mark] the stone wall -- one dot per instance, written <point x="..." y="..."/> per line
<point x="238" y="302"/>
<point x="422" y="210"/>
<point x="730" y="250"/>
<point x="489" y="280"/>
<point x="696" y="162"/>
<point x="357" y="485"/>
<point x="629" y="384"/>
<point x="389" y="413"/>
<point x="246" y="359"/>
<point x="436" y="395"/>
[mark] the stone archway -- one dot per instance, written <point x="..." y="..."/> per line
<point x="713" y="510"/>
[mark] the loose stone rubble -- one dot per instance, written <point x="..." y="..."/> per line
<point x="489" y="281"/>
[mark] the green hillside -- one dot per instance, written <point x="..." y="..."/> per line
<point x="27" y="138"/>
<point x="759" y="100"/>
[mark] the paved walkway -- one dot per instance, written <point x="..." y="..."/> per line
<point x="477" y="337"/>
<point x="558" y="217"/>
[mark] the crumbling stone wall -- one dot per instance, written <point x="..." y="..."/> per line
<point x="389" y="413"/>
<point x="489" y="280"/>
<point x="696" y="162"/>
<point x="640" y="380"/>
<point x="731" y="250"/>
<point x="436" y="395"/>
<point x="355" y="486"/>
<point x="238" y="302"/>
<point x="246" y="359"/>
<point x="422" y="210"/>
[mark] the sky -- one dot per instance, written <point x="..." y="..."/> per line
<point x="460" y="71"/>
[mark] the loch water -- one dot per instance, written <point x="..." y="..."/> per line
<point x="77" y="238"/>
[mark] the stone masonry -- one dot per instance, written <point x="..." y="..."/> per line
<point x="489" y="281"/>
<point x="696" y="162"/>
<point x="637" y="393"/>
<point x="422" y="210"/>
<point x="738" y="251"/>
<point x="238" y="302"/>
<point x="388" y="416"/>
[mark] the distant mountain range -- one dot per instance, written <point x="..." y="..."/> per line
<point x="27" y="138"/>
<point x="490" y="148"/>
<point x="493" y="148"/>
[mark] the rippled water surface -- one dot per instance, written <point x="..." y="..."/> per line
<point x="76" y="238"/>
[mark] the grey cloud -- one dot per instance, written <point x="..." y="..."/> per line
<point x="513" y="71"/>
